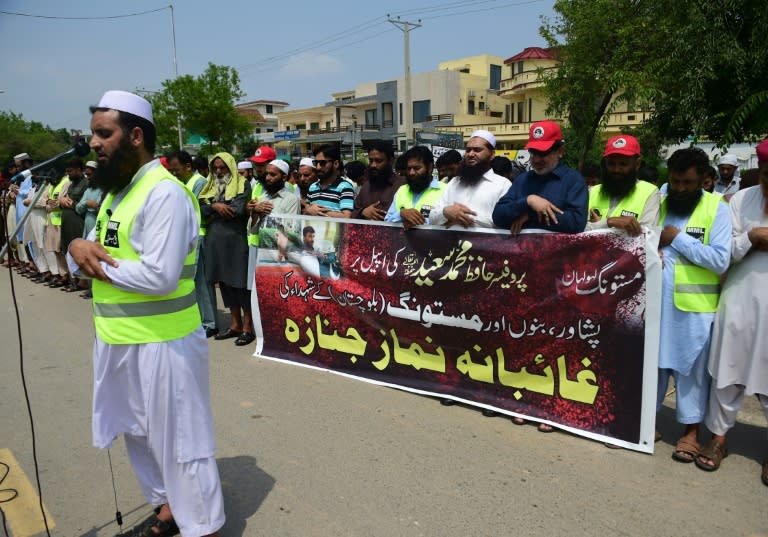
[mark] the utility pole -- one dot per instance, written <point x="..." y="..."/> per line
<point x="406" y="27"/>
<point x="176" y="75"/>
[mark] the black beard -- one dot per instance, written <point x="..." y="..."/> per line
<point x="683" y="203"/>
<point x="273" y="188"/>
<point x="472" y="173"/>
<point x="117" y="172"/>
<point x="618" y="185"/>
<point x="377" y="176"/>
<point x="419" y="183"/>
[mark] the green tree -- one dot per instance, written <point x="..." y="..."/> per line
<point x="206" y="105"/>
<point x="20" y="136"/>
<point x="603" y="49"/>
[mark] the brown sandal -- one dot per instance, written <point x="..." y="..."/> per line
<point x="715" y="452"/>
<point x="686" y="450"/>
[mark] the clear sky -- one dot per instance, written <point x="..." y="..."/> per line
<point x="300" y="51"/>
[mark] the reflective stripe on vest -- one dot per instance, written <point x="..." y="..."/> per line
<point x="124" y="317"/>
<point x="258" y="190"/>
<point x="54" y="195"/>
<point x="696" y="289"/>
<point x="632" y="204"/>
<point x="430" y="196"/>
<point x="190" y="186"/>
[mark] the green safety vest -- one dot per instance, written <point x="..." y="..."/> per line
<point x="54" y="195"/>
<point x="190" y="185"/>
<point x="404" y="198"/>
<point x="125" y="317"/>
<point x="256" y="192"/>
<point x="632" y="204"/>
<point x="696" y="289"/>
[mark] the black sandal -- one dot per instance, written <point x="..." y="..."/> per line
<point x="165" y="529"/>
<point x="245" y="338"/>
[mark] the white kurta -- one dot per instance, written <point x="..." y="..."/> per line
<point x="136" y="387"/>
<point x="739" y="353"/>
<point x="481" y="197"/>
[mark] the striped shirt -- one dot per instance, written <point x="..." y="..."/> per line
<point x="340" y="196"/>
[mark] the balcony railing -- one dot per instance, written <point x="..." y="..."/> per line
<point x="440" y="117"/>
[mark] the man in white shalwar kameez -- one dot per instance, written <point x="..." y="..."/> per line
<point x="154" y="391"/>
<point x="738" y="361"/>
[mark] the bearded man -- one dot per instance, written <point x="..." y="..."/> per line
<point x="150" y="356"/>
<point x="550" y="196"/>
<point x="695" y="247"/>
<point x="377" y="192"/>
<point x="620" y="201"/>
<point x="414" y="200"/>
<point x="469" y="198"/>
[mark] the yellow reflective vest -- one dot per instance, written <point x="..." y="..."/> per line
<point x="696" y="289"/>
<point x="125" y="317"/>
<point x="430" y="196"/>
<point x="632" y="204"/>
<point x="55" y="214"/>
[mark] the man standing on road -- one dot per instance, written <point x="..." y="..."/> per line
<point x="378" y="191"/>
<point x="150" y="355"/>
<point x="728" y="183"/>
<point x="621" y="201"/>
<point x="414" y="200"/>
<point x="695" y="244"/>
<point x="738" y="360"/>
<point x="331" y="195"/>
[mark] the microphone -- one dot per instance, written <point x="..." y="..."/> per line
<point x="80" y="149"/>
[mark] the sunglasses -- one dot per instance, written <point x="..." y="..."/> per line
<point x="321" y="162"/>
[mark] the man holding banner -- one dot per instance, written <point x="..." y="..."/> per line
<point x="413" y="201"/>
<point x="696" y="246"/>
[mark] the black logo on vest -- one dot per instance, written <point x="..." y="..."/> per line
<point x="425" y="210"/>
<point x="628" y="213"/>
<point x="696" y="233"/>
<point x="110" y="239"/>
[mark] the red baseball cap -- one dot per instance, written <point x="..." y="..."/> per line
<point x="623" y="144"/>
<point x="263" y="155"/>
<point x="543" y="135"/>
<point x="762" y="151"/>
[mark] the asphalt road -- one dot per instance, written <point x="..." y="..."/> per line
<point x="306" y="453"/>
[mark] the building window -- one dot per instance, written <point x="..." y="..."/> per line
<point x="370" y="117"/>
<point x="421" y="109"/>
<point x="519" y="67"/>
<point x="258" y="130"/>
<point x="315" y="126"/>
<point x="481" y="105"/>
<point x="387" y="115"/>
<point x="400" y="113"/>
<point x="530" y="109"/>
<point x="521" y="112"/>
<point x="328" y="125"/>
<point x="471" y="107"/>
<point x="495" y="77"/>
<point x="269" y="108"/>
<point x="270" y="130"/>
<point x="287" y="127"/>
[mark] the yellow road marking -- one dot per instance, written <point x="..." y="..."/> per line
<point x="23" y="512"/>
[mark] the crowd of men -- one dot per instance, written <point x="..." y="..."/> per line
<point x="711" y="226"/>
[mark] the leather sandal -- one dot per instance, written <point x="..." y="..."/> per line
<point x="228" y="334"/>
<point x="686" y="450"/>
<point x="715" y="452"/>
<point x="245" y="338"/>
<point x="165" y="529"/>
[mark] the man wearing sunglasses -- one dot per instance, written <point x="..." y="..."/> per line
<point x="550" y="196"/>
<point x="331" y="195"/>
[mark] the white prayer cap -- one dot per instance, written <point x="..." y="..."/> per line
<point x="306" y="161"/>
<point x="124" y="101"/>
<point x="283" y="165"/>
<point x="729" y="159"/>
<point x="91" y="164"/>
<point x="485" y="135"/>
<point x="245" y="165"/>
<point x="22" y="156"/>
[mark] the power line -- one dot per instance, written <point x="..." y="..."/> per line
<point x="83" y="18"/>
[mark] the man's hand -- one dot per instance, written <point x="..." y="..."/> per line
<point x="223" y="210"/>
<point x="374" y="212"/>
<point x="594" y="215"/>
<point x="758" y="236"/>
<point x="517" y="225"/>
<point x="313" y="209"/>
<point x="412" y="217"/>
<point x="545" y="209"/>
<point x="88" y="255"/>
<point x="626" y="223"/>
<point x="668" y="234"/>
<point x="26" y="202"/>
<point x="66" y="202"/>
<point x="459" y="214"/>
<point x="261" y="208"/>
<point x="92" y="204"/>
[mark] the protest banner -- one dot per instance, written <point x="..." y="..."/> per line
<point x="552" y="327"/>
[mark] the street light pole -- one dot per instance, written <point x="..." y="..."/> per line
<point x="176" y="75"/>
<point x="406" y="28"/>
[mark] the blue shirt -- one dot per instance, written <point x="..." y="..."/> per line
<point x="685" y="333"/>
<point x="24" y="188"/>
<point x="393" y="214"/>
<point x="564" y="187"/>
